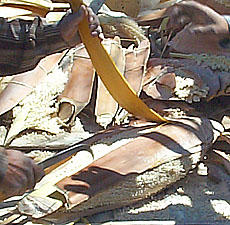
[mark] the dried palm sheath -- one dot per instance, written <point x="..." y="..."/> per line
<point x="190" y="79"/>
<point x="111" y="76"/>
<point x="159" y="83"/>
<point x="34" y="119"/>
<point x="121" y="25"/>
<point x="135" y="64"/>
<point x="13" y="9"/>
<point x="135" y="8"/>
<point x="167" y="79"/>
<point x="131" y="62"/>
<point x="221" y="6"/>
<point x="153" y="10"/>
<point x="41" y="7"/>
<point x="12" y="13"/>
<point x="130" y="7"/>
<point x="156" y="14"/>
<point x="77" y="92"/>
<point x="136" y="60"/>
<point x="21" y="85"/>
<point x="146" y="159"/>
<point x="35" y="3"/>
<point x="106" y="107"/>
<point x="37" y="110"/>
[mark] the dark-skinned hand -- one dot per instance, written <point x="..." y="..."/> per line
<point x="202" y="29"/>
<point x="68" y="26"/>
<point x="21" y="175"/>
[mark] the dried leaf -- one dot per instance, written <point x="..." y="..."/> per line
<point x="162" y="156"/>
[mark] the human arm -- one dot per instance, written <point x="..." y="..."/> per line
<point x="24" y="43"/>
<point x="18" y="173"/>
<point x="202" y="29"/>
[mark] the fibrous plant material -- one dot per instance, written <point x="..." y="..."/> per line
<point x="72" y="100"/>
<point x="39" y="156"/>
<point x="47" y="141"/>
<point x="3" y="133"/>
<point x="38" y="109"/>
<point x="135" y="69"/>
<point x="161" y="157"/>
<point x="133" y="60"/>
<point x="77" y="92"/>
<point x="159" y="81"/>
<point x="132" y="189"/>
<point x="23" y="84"/>
<point x="194" y="80"/>
<point x="211" y="70"/>
<point x="187" y="88"/>
<point x="121" y="26"/>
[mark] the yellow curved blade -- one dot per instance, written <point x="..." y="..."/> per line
<point x="111" y="76"/>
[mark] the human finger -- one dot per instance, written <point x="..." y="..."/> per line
<point x="94" y="24"/>
<point x="28" y="174"/>
<point x="33" y="172"/>
<point x="38" y="172"/>
<point x="77" y="17"/>
<point x="91" y="15"/>
<point x="97" y="33"/>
